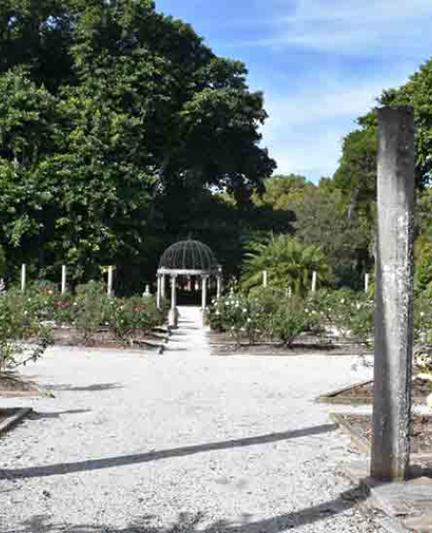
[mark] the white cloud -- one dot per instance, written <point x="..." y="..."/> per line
<point x="352" y="26"/>
<point x="304" y="129"/>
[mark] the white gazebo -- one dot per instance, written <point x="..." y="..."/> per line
<point x="187" y="259"/>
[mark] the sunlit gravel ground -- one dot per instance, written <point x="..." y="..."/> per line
<point x="180" y="442"/>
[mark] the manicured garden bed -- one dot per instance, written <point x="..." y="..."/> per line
<point x="359" y="428"/>
<point x="362" y="393"/>
<point x="304" y="345"/>
<point x="40" y="316"/>
<point x="12" y="385"/>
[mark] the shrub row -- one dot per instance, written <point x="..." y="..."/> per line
<point x="271" y="315"/>
<point x="32" y="315"/>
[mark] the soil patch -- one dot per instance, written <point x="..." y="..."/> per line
<point x="105" y="338"/>
<point x="362" y="393"/>
<point x="223" y="344"/>
<point x="359" y="427"/>
<point x="13" y="386"/>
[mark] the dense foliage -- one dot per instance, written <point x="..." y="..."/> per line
<point x="288" y="263"/>
<point x="117" y="126"/>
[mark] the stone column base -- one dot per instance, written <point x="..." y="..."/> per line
<point x="173" y="318"/>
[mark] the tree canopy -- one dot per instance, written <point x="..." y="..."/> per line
<point x="117" y="126"/>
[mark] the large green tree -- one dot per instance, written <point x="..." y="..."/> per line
<point x="118" y="125"/>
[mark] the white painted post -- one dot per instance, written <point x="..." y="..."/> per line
<point x="23" y="277"/>
<point x="63" y="279"/>
<point x="394" y="295"/>
<point x="204" y="293"/>
<point x="265" y="279"/>
<point x="110" y="281"/>
<point x="314" y="281"/>
<point x="290" y="292"/>
<point x="367" y="279"/>
<point x="219" y="287"/>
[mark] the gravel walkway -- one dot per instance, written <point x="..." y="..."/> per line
<point x="182" y="442"/>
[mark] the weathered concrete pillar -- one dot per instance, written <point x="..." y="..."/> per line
<point x="314" y="281"/>
<point x="110" y="281"/>
<point x="173" y="313"/>
<point x="394" y="295"/>
<point x="23" y="277"/>
<point x="204" y="280"/>
<point x="265" y="278"/>
<point x="367" y="282"/>
<point x="63" y="279"/>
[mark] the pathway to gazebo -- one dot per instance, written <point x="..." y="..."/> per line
<point x="180" y="442"/>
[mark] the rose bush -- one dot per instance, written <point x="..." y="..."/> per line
<point x="23" y="336"/>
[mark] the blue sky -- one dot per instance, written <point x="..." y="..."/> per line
<point x="320" y="63"/>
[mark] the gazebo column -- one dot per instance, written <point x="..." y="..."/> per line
<point x="159" y="292"/>
<point x="163" y="286"/>
<point x="173" y="313"/>
<point x="204" y="280"/>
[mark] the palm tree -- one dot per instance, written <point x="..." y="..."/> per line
<point x="287" y="262"/>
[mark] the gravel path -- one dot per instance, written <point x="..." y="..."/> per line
<point x="182" y="442"/>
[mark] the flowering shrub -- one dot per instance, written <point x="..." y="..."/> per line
<point x="270" y="314"/>
<point x="344" y="312"/>
<point x="289" y="321"/>
<point x="91" y="308"/>
<point x="423" y="359"/>
<point x="129" y="315"/>
<point x="23" y="336"/>
<point x="260" y="315"/>
<point x="29" y="315"/>
<point x="237" y="314"/>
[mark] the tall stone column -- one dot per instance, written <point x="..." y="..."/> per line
<point x="394" y="295"/>
<point x="173" y="313"/>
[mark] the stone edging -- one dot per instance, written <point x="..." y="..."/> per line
<point x="16" y="416"/>
<point x="330" y="397"/>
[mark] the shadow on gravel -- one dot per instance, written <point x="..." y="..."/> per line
<point x="110" y="462"/>
<point x="197" y="523"/>
<point x="88" y="388"/>
<point x="56" y="414"/>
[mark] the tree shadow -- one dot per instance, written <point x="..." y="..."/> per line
<point x="86" y="388"/>
<point x="111" y="462"/>
<point x="35" y="415"/>
<point x="197" y="522"/>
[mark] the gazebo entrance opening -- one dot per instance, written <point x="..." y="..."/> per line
<point x="188" y="266"/>
<point x="189" y="290"/>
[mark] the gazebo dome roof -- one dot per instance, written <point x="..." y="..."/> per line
<point x="189" y="255"/>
